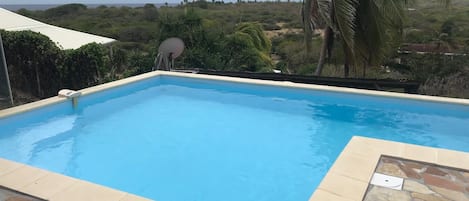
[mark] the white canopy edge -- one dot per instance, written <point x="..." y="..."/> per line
<point x="64" y="38"/>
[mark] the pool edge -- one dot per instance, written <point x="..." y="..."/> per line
<point x="87" y="91"/>
<point x="289" y="84"/>
<point x="56" y="187"/>
<point x="349" y="176"/>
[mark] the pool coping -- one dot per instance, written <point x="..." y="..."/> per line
<point x="52" y="186"/>
<point x="87" y="91"/>
<point x="341" y="183"/>
<point x="53" y="100"/>
<point x="317" y="87"/>
<point x="349" y="176"/>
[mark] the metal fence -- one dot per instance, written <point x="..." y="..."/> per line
<point x="6" y="98"/>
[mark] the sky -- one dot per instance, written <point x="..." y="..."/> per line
<point x="82" y="1"/>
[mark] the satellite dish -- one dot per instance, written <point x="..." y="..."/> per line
<point x="173" y="46"/>
<point x="169" y="49"/>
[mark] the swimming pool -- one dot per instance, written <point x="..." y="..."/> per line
<point x="175" y="138"/>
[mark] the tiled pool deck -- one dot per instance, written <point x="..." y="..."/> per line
<point x="347" y="180"/>
<point x="421" y="182"/>
<point x="52" y="186"/>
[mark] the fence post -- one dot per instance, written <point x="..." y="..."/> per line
<point x="4" y="64"/>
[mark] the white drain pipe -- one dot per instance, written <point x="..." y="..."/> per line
<point x="70" y="94"/>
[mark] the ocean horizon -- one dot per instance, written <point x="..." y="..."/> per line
<point x="35" y="7"/>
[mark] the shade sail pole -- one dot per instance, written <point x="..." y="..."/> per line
<point x="4" y="64"/>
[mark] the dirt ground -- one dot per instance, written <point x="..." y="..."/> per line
<point x="283" y="31"/>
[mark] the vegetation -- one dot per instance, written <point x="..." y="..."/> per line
<point x="33" y="62"/>
<point x="38" y="67"/>
<point x="84" y="66"/>
<point x="256" y="37"/>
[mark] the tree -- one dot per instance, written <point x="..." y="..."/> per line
<point x="256" y="34"/>
<point x="364" y="27"/>
<point x="67" y="9"/>
<point x="248" y="48"/>
<point x="139" y="63"/>
<point x="448" y="27"/>
<point x="150" y="12"/>
<point x="33" y="61"/>
<point x="334" y="16"/>
<point x="378" y="31"/>
<point x="308" y="26"/>
<point x="84" y="66"/>
<point x="202" y="39"/>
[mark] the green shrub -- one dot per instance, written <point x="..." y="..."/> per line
<point x="84" y="66"/>
<point x="33" y="61"/>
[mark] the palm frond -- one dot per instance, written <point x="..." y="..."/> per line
<point x="344" y="12"/>
<point x="321" y="16"/>
<point x="379" y="29"/>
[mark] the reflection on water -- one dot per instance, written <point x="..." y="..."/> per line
<point x="36" y="142"/>
<point x="397" y="125"/>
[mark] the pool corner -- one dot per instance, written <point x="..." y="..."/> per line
<point x="56" y="187"/>
<point x="349" y="177"/>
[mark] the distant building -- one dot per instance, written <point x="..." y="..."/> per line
<point x="64" y="38"/>
<point x="430" y="48"/>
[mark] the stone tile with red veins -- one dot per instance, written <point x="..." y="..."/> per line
<point x="412" y="171"/>
<point x="442" y="182"/>
<point x="422" y="182"/>
<point x="435" y="171"/>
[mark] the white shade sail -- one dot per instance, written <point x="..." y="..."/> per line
<point x="64" y="38"/>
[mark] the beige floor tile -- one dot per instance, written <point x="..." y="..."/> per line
<point x="454" y="159"/>
<point x="372" y="147"/>
<point x="81" y="191"/>
<point x="344" y="186"/>
<point x="131" y="197"/>
<point x="420" y="153"/>
<point x="355" y="166"/>
<point x="21" y="177"/>
<point x="7" y="166"/>
<point x="48" y="185"/>
<point x="321" y="195"/>
<point x="349" y="176"/>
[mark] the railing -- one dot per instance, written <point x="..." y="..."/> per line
<point x="373" y="84"/>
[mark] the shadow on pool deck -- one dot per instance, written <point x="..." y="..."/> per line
<point x="11" y="195"/>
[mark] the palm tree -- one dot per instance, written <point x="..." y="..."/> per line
<point x="378" y="26"/>
<point x="365" y="28"/>
<point x="306" y="14"/>
<point x="333" y="16"/>
<point x="249" y="48"/>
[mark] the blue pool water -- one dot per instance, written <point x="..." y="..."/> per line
<point x="180" y="139"/>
